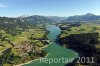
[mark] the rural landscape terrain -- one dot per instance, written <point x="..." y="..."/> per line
<point x="27" y="38"/>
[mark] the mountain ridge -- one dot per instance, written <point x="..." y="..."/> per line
<point x="89" y="17"/>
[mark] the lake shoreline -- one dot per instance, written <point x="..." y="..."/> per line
<point x="52" y="49"/>
<point x="29" y="61"/>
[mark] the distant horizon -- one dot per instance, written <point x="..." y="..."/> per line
<point x="62" y="8"/>
<point x="48" y="15"/>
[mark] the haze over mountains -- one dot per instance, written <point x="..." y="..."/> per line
<point x="84" y="18"/>
<point x="89" y="17"/>
<point x="53" y="19"/>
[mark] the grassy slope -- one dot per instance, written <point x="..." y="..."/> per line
<point x="24" y="36"/>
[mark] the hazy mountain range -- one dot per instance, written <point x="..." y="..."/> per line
<point x="53" y="19"/>
<point x="89" y="17"/>
<point x="84" y="18"/>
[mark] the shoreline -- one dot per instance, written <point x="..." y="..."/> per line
<point x="30" y="61"/>
<point x="34" y="59"/>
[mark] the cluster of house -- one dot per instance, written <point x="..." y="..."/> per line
<point x="24" y="48"/>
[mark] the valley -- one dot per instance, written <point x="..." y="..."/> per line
<point x="25" y="40"/>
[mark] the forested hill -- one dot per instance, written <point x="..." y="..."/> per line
<point x="18" y="24"/>
<point x="13" y="25"/>
<point x="35" y="19"/>
<point x="83" y="18"/>
<point x="24" y="21"/>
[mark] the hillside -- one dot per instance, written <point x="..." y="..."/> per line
<point x="15" y="25"/>
<point x="36" y="19"/>
<point x="84" y="39"/>
<point x="83" y="18"/>
<point x="20" y="39"/>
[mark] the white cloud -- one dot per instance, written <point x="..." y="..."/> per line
<point x="2" y="5"/>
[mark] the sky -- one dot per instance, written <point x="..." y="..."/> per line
<point x="14" y="8"/>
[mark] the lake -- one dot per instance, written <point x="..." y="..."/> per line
<point x="55" y="50"/>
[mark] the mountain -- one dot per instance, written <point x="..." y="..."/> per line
<point x="16" y="25"/>
<point x="42" y="19"/>
<point x="83" y="18"/>
<point x="24" y="21"/>
<point x="36" y="19"/>
<point x="56" y="18"/>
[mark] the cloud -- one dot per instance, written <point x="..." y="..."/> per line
<point x="2" y="5"/>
